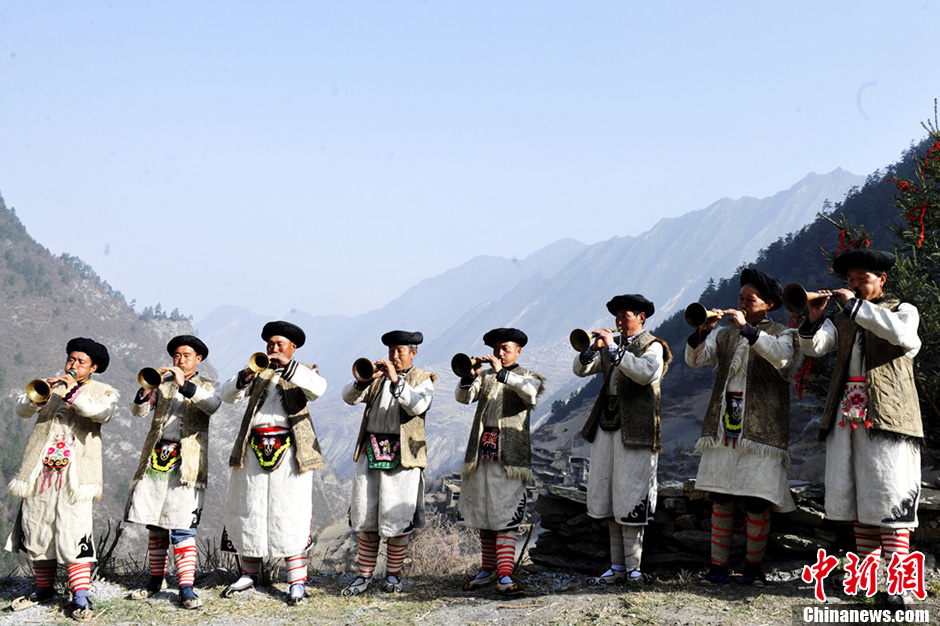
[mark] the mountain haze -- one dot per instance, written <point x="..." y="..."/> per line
<point x="553" y="290"/>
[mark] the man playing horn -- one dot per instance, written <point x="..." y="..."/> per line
<point x="745" y="432"/>
<point x="497" y="465"/>
<point x="624" y="431"/>
<point x="872" y="423"/>
<point x="270" y="502"/>
<point x="60" y="476"/>
<point x="390" y="457"/>
<point x="169" y="485"/>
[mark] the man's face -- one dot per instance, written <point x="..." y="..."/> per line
<point x="281" y="345"/>
<point x="401" y="357"/>
<point x="630" y="323"/>
<point x="186" y="359"/>
<point x="754" y="306"/>
<point x="867" y="285"/>
<point x="507" y="353"/>
<point x="81" y="364"/>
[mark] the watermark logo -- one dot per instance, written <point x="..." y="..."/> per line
<point x="905" y="574"/>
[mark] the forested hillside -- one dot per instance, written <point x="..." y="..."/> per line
<point x="800" y="257"/>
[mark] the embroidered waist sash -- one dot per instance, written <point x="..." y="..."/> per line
<point x="269" y="445"/>
<point x="383" y="451"/>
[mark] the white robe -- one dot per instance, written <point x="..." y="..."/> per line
<point x="52" y="525"/>
<point x="163" y="501"/>
<point x="622" y="480"/>
<point x="390" y="502"/>
<point x="268" y="514"/>
<point x="739" y="470"/>
<point x="875" y="480"/>
<point x="489" y="498"/>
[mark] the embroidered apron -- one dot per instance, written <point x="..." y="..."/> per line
<point x="56" y="460"/>
<point x="489" y="444"/>
<point x="855" y="403"/>
<point x="383" y="451"/>
<point x="164" y="458"/>
<point x="269" y="445"/>
<point x="732" y="421"/>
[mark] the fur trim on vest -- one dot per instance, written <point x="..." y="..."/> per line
<point x="766" y="426"/>
<point x="515" y="449"/>
<point x="194" y="442"/>
<point x="84" y="477"/>
<point x="638" y="406"/>
<point x="893" y="404"/>
<point x="307" y="452"/>
<point x="414" y="446"/>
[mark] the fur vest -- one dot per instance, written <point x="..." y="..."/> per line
<point x="307" y="452"/>
<point x="84" y="478"/>
<point x="414" y="446"/>
<point x="638" y="406"/>
<point x="893" y="405"/>
<point x="515" y="454"/>
<point x="766" y="425"/>
<point x="194" y="442"/>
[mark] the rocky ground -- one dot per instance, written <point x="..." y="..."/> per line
<point x="550" y="597"/>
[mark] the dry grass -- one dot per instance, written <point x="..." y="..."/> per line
<point x="443" y="547"/>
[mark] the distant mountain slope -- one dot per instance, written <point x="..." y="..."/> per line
<point x="47" y="300"/>
<point x="560" y="287"/>
<point x="795" y="257"/>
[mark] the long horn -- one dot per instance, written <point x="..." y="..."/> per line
<point x="580" y="339"/>
<point x="149" y="378"/>
<point x="258" y="362"/>
<point x="363" y="369"/>
<point x="795" y="297"/>
<point x="38" y="391"/>
<point x="462" y="364"/>
<point x="696" y="314"/>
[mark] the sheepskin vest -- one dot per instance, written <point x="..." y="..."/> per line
<point x="893" y="405"/>
<point x="414" y="447"/>
<point x="515" y="453"/>
<point x="294" y="403"/>
<point x="84" y="478"/>
<point x="194" y="442"/>
<point x="766" y="424"/>
<point x="638" y="406"/>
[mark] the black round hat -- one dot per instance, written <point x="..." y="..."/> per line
<point x="95" y="351"/>
<point x="631" y="302"/>
<point x="877" y="261"/>
<point x="188" y="340"/>
<point x="285" y="329"/>
<point x="500" y="335"/>
<point x="402" y="338"/>
<point x="768" y="286"/>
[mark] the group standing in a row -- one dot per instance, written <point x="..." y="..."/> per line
<point x="871" y="426"/>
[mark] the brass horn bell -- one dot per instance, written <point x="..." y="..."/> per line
<point x="795" y="297"/>
<point x="696" y="314"/>
<point x="38" y="391"/>
<point x="258" y="362"/>
<point x="462" y="364"/>
<point x="149" y="378"/>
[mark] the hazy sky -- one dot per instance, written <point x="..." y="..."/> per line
<point x="325" y="156"/>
